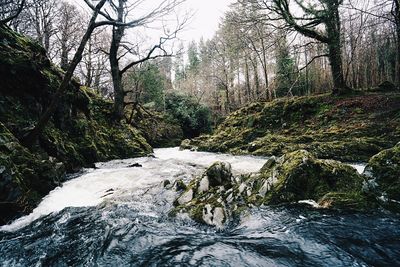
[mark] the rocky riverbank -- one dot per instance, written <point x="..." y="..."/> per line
<point x="81" y="132"/>
<point x="308" y="139"/>
<point x="296" y="177"/>
<point x="347" y="128"/>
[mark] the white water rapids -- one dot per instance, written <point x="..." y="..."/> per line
<point x="115" y="179"/>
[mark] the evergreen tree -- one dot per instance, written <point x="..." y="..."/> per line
<point x="285" y="67"/>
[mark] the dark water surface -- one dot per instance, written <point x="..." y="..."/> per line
<point x="122" y="236"/>
<point x="131" y="227"/>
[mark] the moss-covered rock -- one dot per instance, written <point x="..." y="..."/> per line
<point x="293" y="177"/>
<point x="300" y="175"/>
<point x="24" y="176"/>
<point x="383" y="173"/>
<point x="81" y="131"/>
<point x="351" y="128"/>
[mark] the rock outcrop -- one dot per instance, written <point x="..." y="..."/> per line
<point x="383" y="177"/>
<point x="217" y="195"/>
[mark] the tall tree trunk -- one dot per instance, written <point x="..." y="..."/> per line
<point x="398" y="57"/>
<point x="256" y="79"/>
<point x="96" y="83"/>
<point x="248" y="85"/>
<point x="64" y="57"/>
<point x="396" y="15"/>
<point x="335" y="52"/>
<point x="118" y="33"/>
<point x="226" y="87"/>
<point x="31" y="137"/>
<point x="335" y="59"/>
<point x="89" y="75"/>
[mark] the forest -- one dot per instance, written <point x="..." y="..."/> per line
<point x="261" y="50"/>
<point x="274" y="141"/>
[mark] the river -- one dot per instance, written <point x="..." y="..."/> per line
<point x="117" y="215"/>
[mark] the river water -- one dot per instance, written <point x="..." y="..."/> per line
<point x="116" y="215"/>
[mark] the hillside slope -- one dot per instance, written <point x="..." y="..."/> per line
<point x="80" y="133"/>
<point x="349" y="128"/>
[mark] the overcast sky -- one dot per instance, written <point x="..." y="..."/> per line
<point x="207" y="15"/>
<point x="206" y="19"/>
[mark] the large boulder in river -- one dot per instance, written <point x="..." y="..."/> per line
<point x="383" y="173"/>
<point x="301" y="176"/>
<point x="217" y="195"/>
<point x="201" y="199"/>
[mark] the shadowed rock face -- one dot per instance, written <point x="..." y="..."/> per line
<point x="219" y="174"/>
<point x="216" y="196"/>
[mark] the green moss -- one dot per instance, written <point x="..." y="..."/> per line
<point x="346" y="201"/>
<point x="24" y="178"/>
<point x="300" y="175"/>
<point x="81" y="131"/>
<point x="351" y="128"/>
<point x="384" y="167"/>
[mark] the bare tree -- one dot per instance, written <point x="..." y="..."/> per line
<point x="10" y="9"/>
<point x="69" y="31"/>
<point x="94" y="68"/>
<point x="120" y="16"/>
<point x="164" y="8"/>
<point x="319" y="21"/>
<point x="41" y="19"/>
<point x="32" y="135"/>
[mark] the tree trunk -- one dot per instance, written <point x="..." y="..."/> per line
<point x="248" y="85"/>
<point x="64" y="57"/>
<point x="116" y="75"/>
<point x="396" y="14"/>
<point x="31" y="137"/>
<point x="226" y="89"/>
<point x="335" y="59"/>
<point x="256" y="79"/>
<point x="398" y="57"/>
<point x="335" y="52"/>
<point x="89" y="75"/>
<point x="118" y="33"/>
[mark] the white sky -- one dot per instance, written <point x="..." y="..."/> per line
<point x="207" y="15"/>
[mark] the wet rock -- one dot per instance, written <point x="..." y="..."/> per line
<point x="220" y="173"/>
<point x="166" y="183"/>
<point x="383" y="174"/>
<point x="213" y="216"/>
<point x="300" y="175"/>
<point x="135" y="165"/>
<point x="185" y="197"/>
<point x="291" y="178"/>
<point x="187" y="144"/>
<point x="180" y="185"/>
<point x="204" y="185"/>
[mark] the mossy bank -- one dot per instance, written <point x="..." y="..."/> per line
<point x="347" y="128"/>
<point x="80" y="133"/>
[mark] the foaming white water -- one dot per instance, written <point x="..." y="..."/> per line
<point x="241" y="164"/>
<point x="115" y="178"/>
<point x="359" y="167"/>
